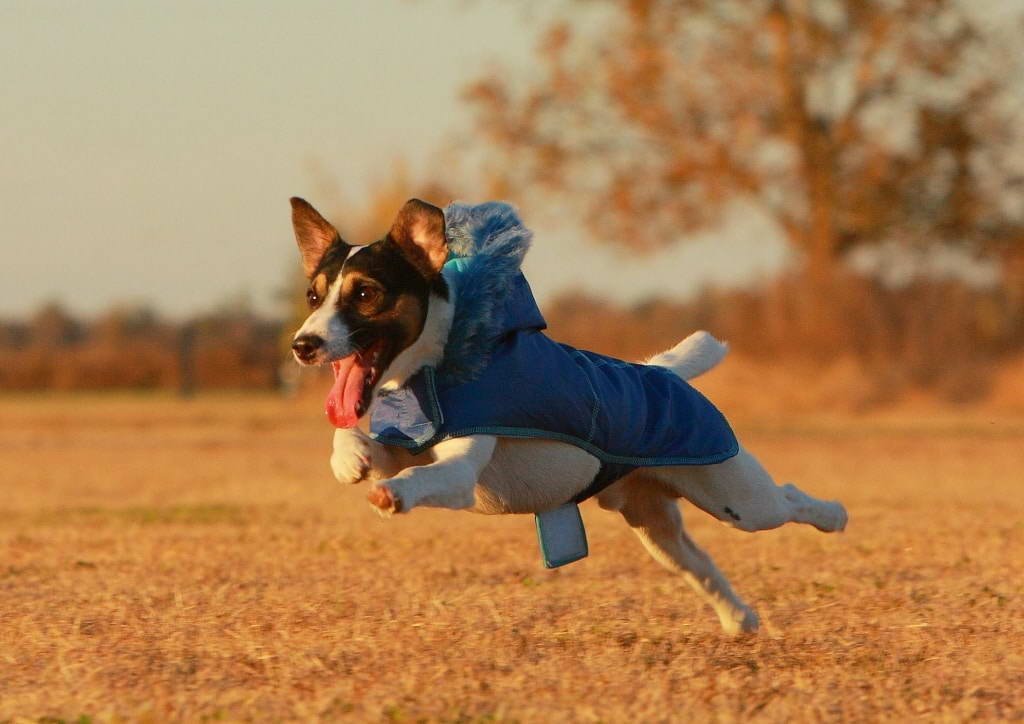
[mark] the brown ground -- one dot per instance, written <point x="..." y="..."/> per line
<point x="163" y="561"/>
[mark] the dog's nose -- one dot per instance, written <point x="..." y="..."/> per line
<point x="305" y="346"/>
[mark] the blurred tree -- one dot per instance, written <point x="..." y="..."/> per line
<point x="124" y="324"/>
<point x="849" y="122"/>
<point x="53" y="326"/>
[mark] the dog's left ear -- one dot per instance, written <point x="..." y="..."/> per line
<point x="419" y="232"/>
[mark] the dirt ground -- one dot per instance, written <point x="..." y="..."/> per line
<point x="165" y="560"/>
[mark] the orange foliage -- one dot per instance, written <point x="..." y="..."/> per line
<point x="849" y="123"/>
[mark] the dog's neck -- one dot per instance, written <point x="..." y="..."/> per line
<point x="427" y="350"/>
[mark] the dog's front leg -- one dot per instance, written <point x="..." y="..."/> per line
<point x="448" y="482"/>
<point x="351" y="458"/>
<point x="357" y="457"/>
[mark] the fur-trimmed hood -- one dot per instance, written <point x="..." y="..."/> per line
<point x="486" y="243"/>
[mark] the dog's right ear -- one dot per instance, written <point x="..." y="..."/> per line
<point x="313" y="233"/>
<point x="419" y="232"/>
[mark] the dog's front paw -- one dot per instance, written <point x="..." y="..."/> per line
<point x="385" y="500"/>
<point x="350" y="461"/>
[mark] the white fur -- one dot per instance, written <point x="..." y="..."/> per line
<point x="506" y="475"/>
<point x="350" y="459"/>
<point x="694" y="356"/>
<point x="426" y="350"/>
<point x="326" y="323"/>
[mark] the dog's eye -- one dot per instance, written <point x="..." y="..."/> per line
<point x="312" y="298"/>
<point x="367" y="294"/>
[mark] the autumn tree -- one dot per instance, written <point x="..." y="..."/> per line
<point x="848" y="122"/>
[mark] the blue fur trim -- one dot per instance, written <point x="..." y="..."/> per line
<point x="490" y="241"/>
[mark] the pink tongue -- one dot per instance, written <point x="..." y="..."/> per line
<point x="347" y="392"/>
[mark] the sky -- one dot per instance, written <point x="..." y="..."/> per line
<point x="148" y="149"/>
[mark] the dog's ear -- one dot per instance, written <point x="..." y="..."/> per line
<point x="419" y="232"/>
<point x="313" y="233"/>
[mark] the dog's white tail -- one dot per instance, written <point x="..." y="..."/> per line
<point x="694" y="356"/>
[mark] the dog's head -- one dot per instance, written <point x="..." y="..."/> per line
<point x="378" y="312"/>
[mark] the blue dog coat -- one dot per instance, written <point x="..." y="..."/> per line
<point x="517" y="382"/>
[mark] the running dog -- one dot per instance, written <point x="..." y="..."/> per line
<point x="448" y="394"/>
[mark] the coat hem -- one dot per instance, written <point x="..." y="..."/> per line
<point x="416" y="447"/>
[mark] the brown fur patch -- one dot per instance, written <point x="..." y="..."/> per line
<point x="410" y="315"/>
<point x="317" y="291"/>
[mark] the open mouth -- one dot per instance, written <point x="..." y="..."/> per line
<point x="354" y="378"/>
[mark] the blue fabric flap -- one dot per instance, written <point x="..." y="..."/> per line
<point x="409" y="416"/>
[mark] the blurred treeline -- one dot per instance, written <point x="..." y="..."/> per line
<point x="940" y="336"/>
<point x="132" y="347"/>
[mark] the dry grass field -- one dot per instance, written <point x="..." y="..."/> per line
<point x="189" y="561"/>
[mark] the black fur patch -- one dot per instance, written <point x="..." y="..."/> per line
<point x="331" y="261"/>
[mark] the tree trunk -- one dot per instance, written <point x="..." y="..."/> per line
<point x="811" y="138"/>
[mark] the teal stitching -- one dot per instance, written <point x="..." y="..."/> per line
<point x="528" y="432"/>
<point x="434" y="404"/>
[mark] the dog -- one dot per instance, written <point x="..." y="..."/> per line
<point x="408" y="326"/>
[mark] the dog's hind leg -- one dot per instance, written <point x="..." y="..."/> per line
<point x="740" y="492"/>
<point x="654" y="516"/>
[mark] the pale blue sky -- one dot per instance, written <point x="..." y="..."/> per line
<point x="148" y="149"/>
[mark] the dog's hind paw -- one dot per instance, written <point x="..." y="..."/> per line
<point x="751" y="622"/>
<point x="744" y="621"/>
<point x="384" y="500"/>
<point x="834" y="519"/>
